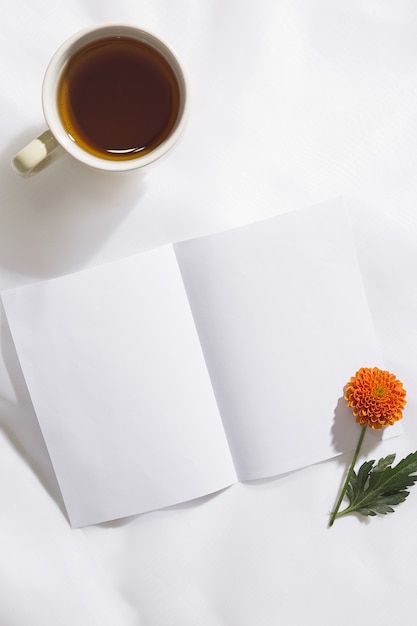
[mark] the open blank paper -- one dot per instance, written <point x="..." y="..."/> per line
<point x="176" y="372"/>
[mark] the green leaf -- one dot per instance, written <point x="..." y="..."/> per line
<point x="375" y="489"/>
<point x="385" y="462"/>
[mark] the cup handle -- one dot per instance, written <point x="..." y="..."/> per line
<point x="37" y="154"/>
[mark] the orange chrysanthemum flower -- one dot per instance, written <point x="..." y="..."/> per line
<point x="376" y="397"/>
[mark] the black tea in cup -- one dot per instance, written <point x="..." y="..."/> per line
<point x="118" y="98"/>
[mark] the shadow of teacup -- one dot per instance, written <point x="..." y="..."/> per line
<point x="53" y="221"/>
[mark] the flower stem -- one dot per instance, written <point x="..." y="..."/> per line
<point x="349" y="474"/>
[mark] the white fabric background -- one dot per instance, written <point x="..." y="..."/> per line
<point x="292" y="102"/>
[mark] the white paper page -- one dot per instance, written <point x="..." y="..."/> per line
<point x="120" y="387"/>
<point x="284" y="323"/>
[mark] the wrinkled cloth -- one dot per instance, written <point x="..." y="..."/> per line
<point x="292" y="103"/>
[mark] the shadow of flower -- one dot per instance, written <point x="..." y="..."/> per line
<point x="345" y="431"/>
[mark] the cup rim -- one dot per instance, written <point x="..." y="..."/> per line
<point x="51" y="81"/>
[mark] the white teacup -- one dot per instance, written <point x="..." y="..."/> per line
<point x="114" y="97"/>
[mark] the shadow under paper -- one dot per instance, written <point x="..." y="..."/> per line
<point x="19" y="423"/>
